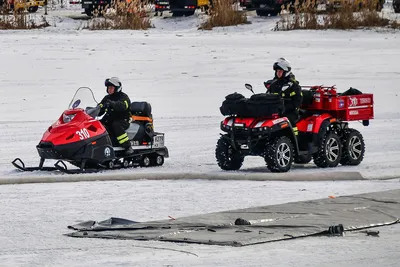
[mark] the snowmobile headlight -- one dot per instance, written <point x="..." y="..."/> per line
<point x="68" y="118"/>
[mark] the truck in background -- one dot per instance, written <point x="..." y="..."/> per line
<point x="396" y="6"/>
<point x="180" y="8"/>
<point x="90" y="6"/>
<point x="30" y="6"/>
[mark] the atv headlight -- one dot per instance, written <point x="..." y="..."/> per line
<point x="68" y="118"/>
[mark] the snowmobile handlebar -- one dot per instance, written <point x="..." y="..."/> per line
<point x="93" y="111"/>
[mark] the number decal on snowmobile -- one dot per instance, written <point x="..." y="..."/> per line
<point x="83" y="134"/>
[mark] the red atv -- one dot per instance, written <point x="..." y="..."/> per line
<point x="254" y="127"/>
<point x="79" y="138"/>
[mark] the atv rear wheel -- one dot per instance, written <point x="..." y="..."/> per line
<point x="227" y="157"/>
<point x="279" y="154"/>
<point x="353" y="147"/>
<point x="329" y="152"/>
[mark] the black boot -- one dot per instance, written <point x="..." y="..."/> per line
<point x="129" y="151"/>
<point x="128" y="148"/>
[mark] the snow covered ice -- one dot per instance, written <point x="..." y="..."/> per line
<point x="185" y="74"/>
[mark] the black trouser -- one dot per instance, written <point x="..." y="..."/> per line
<point x="293" y="117"/>
<point x="117" y="130"/>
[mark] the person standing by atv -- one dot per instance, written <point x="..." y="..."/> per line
<point x="116" y="107"/>
<point x="284" y="84"/>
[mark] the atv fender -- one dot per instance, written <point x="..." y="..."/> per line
<point x="320" y="122"/>
<point x="290" y="134"/>
<point x="323" y="129"/>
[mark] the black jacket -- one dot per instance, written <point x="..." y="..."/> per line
<point x="117" y="106"/>
<point x="289" y="89"/>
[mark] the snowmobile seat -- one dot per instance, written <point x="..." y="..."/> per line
<point x="141" y="111"/>
<point x="142" y="117"/>
<point x="140" y="131"/>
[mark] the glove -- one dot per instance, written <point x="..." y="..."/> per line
<point x="267" y="84"/>
<point x="109" y="104"/>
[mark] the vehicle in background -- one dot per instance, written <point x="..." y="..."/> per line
<point x="247" y="4"/>
<point x="180" y="8"/>
<point x="396" y="6"/>
<point x="269" y="7"/>
<point x="30" y="6"/>
<point x="75" y="2"/>
<point x="274" y="7"/>
<point x="91" y="6"/>
<point x="334" y="5"/>
<point x="41" y="2"/>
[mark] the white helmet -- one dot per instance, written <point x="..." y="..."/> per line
<point x="114" y="81"/>
<point x="282" y="64"/>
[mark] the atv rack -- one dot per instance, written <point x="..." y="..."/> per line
<point x="352" y="107"/>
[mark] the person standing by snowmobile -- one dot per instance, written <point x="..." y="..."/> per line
<point x="284" y="84"/>
<point x="116" y="107"/>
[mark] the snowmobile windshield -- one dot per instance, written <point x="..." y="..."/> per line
<point x="83" y="98"/>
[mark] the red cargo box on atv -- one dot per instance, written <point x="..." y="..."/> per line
<point x="343" y="107"/>
<point x="350" y="108"/>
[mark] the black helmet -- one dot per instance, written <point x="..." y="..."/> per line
<point x="114" y="81"/>
<point x="282" y="64"/>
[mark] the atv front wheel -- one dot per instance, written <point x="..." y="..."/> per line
<point x="279" y="154"/>
<point x="329" y="152"/>
<point x="353" y="147"/>
<point x="227" y="157"/>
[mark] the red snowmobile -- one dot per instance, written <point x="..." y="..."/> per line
<point x="254" y="127"/>
<point x="79" y="138"/>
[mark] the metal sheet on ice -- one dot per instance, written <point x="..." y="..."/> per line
<point x="267" y="223"/>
